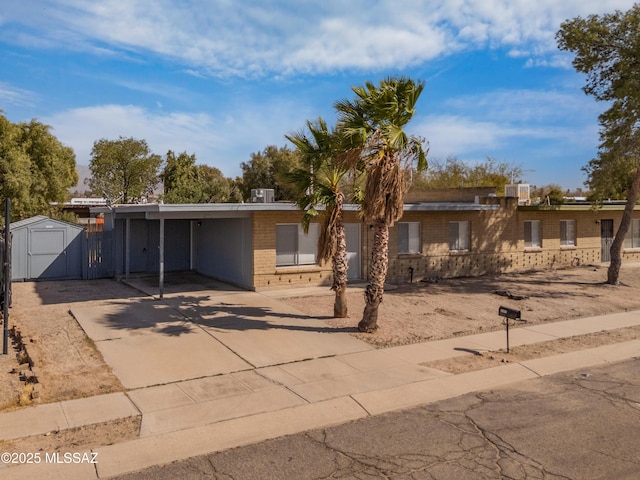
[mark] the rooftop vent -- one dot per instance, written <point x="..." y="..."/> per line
<point x="262" y="195"/>
<point x="521" y="191"/>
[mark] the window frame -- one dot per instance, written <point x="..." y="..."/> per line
<point x="535" y="234"/>
<point x="412" y="240"/>
<point x="565" y="241"/>
<point x="462" y="241"/>
<point x="632" y="238"/>
<point x="302" y="247"/>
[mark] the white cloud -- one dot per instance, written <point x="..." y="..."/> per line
<point x="530" y="106"/>
<point x="482" y="124"/>
<point x="16" y="96"/>
<point x="255" y="38"/>
<point x="80" y="127"/>
<point x="221" y="142"/>
<point x="454" y="135"/>
<point x="547" y="154"/>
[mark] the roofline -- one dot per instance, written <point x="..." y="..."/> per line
<point x="41" y="218"/>
<point x="156" y="209"/>
<point x="578" y="207"/>
<point x="450" y="207"/>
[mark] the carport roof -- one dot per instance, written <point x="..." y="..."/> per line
<point x="155" y="211"/>
<point x="201" y="210"/>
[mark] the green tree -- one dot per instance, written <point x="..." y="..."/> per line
<point x="186" y="182"/>
<point x="235" y="190"/>
<point x="549" y="194"/>
<point x="319" y="182"/>
<point x="15" y="169"/>
<point x="454" y="173"/>
<point x="264" y="169"/>
<point x="36" y="170"/>
<point x="374" y="123"/>
<point x="216" y="186"/>
<point x="123" y="170"/>
<point x="607" y="50"/>
<point x="610" y="176"/>
<point x="180" y="179"/>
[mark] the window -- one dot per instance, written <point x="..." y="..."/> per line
<point x="293" y="247"/>
<point x="567" y="233"/>
<point x="532" y="234"/>
<point x="409" y="237"/>
<point x="460" y="236"/>
<point x="632" y="239"/>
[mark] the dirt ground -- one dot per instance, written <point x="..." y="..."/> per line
<point x="69" y="365"/>
<point x="432" y="311"/>
<point x="66" y="362"/>
<point x="425" y="311"/>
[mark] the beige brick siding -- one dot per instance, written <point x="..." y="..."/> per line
<point x="265" y="272"/>
<point x="497" y="245"/>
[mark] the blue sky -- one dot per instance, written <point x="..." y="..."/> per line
<point x="223" y="79"/>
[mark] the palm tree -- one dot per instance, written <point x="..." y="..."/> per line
<point x="319" y="183"/>
<point x="374" y="123"/>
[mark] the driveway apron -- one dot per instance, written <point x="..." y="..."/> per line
<point x="204" y="332"/>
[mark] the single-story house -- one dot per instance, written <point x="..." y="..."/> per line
<point x="263" y="245"/>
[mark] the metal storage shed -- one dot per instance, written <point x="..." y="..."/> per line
<point x="46" y="249"/>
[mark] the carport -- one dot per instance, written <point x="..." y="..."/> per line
<point x="236" y="243"/>
<point x="212" y="239"/>
<point x="46" y="249"/>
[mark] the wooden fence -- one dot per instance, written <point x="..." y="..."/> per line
<point x="98" y="251"/>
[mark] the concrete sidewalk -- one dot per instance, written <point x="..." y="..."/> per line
<point x="304" y="378"/>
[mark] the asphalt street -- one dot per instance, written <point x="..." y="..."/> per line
<point x="583" y="424"/>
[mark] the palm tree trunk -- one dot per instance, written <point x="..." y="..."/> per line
<point x="339" y="265"/>
<point x="613" y="273"/>
<point x="377" y="275"/>
<point x="340" y="303"/>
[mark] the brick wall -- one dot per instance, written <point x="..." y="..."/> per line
<point x="265" y="272"/>
<point x="497" y="245"/>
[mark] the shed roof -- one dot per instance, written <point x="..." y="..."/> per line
<point x="41" y="218"/>
<point x="27" y="221"/>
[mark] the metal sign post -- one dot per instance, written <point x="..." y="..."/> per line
<point x="509" y="314"/>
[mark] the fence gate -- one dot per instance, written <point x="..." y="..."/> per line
<point x="98" y="251"/>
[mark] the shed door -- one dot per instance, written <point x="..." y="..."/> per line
<point x="47" y="253"/>
<point x="139" y="246"/>
<point x="606" y="239"/>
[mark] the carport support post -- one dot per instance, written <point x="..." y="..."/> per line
<point x="127" y="248"/>
<point x="161" y="286"/>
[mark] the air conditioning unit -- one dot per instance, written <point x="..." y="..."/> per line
<point x="521" y="191"/>
<point x="262" y="195"/>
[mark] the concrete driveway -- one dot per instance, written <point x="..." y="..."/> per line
<point x="203" y="328"/>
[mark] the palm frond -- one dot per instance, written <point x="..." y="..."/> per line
<point x="374" y="121"/>
<point x="328" y="156"/>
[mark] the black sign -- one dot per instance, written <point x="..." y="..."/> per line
<point x="509" y="313"/>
